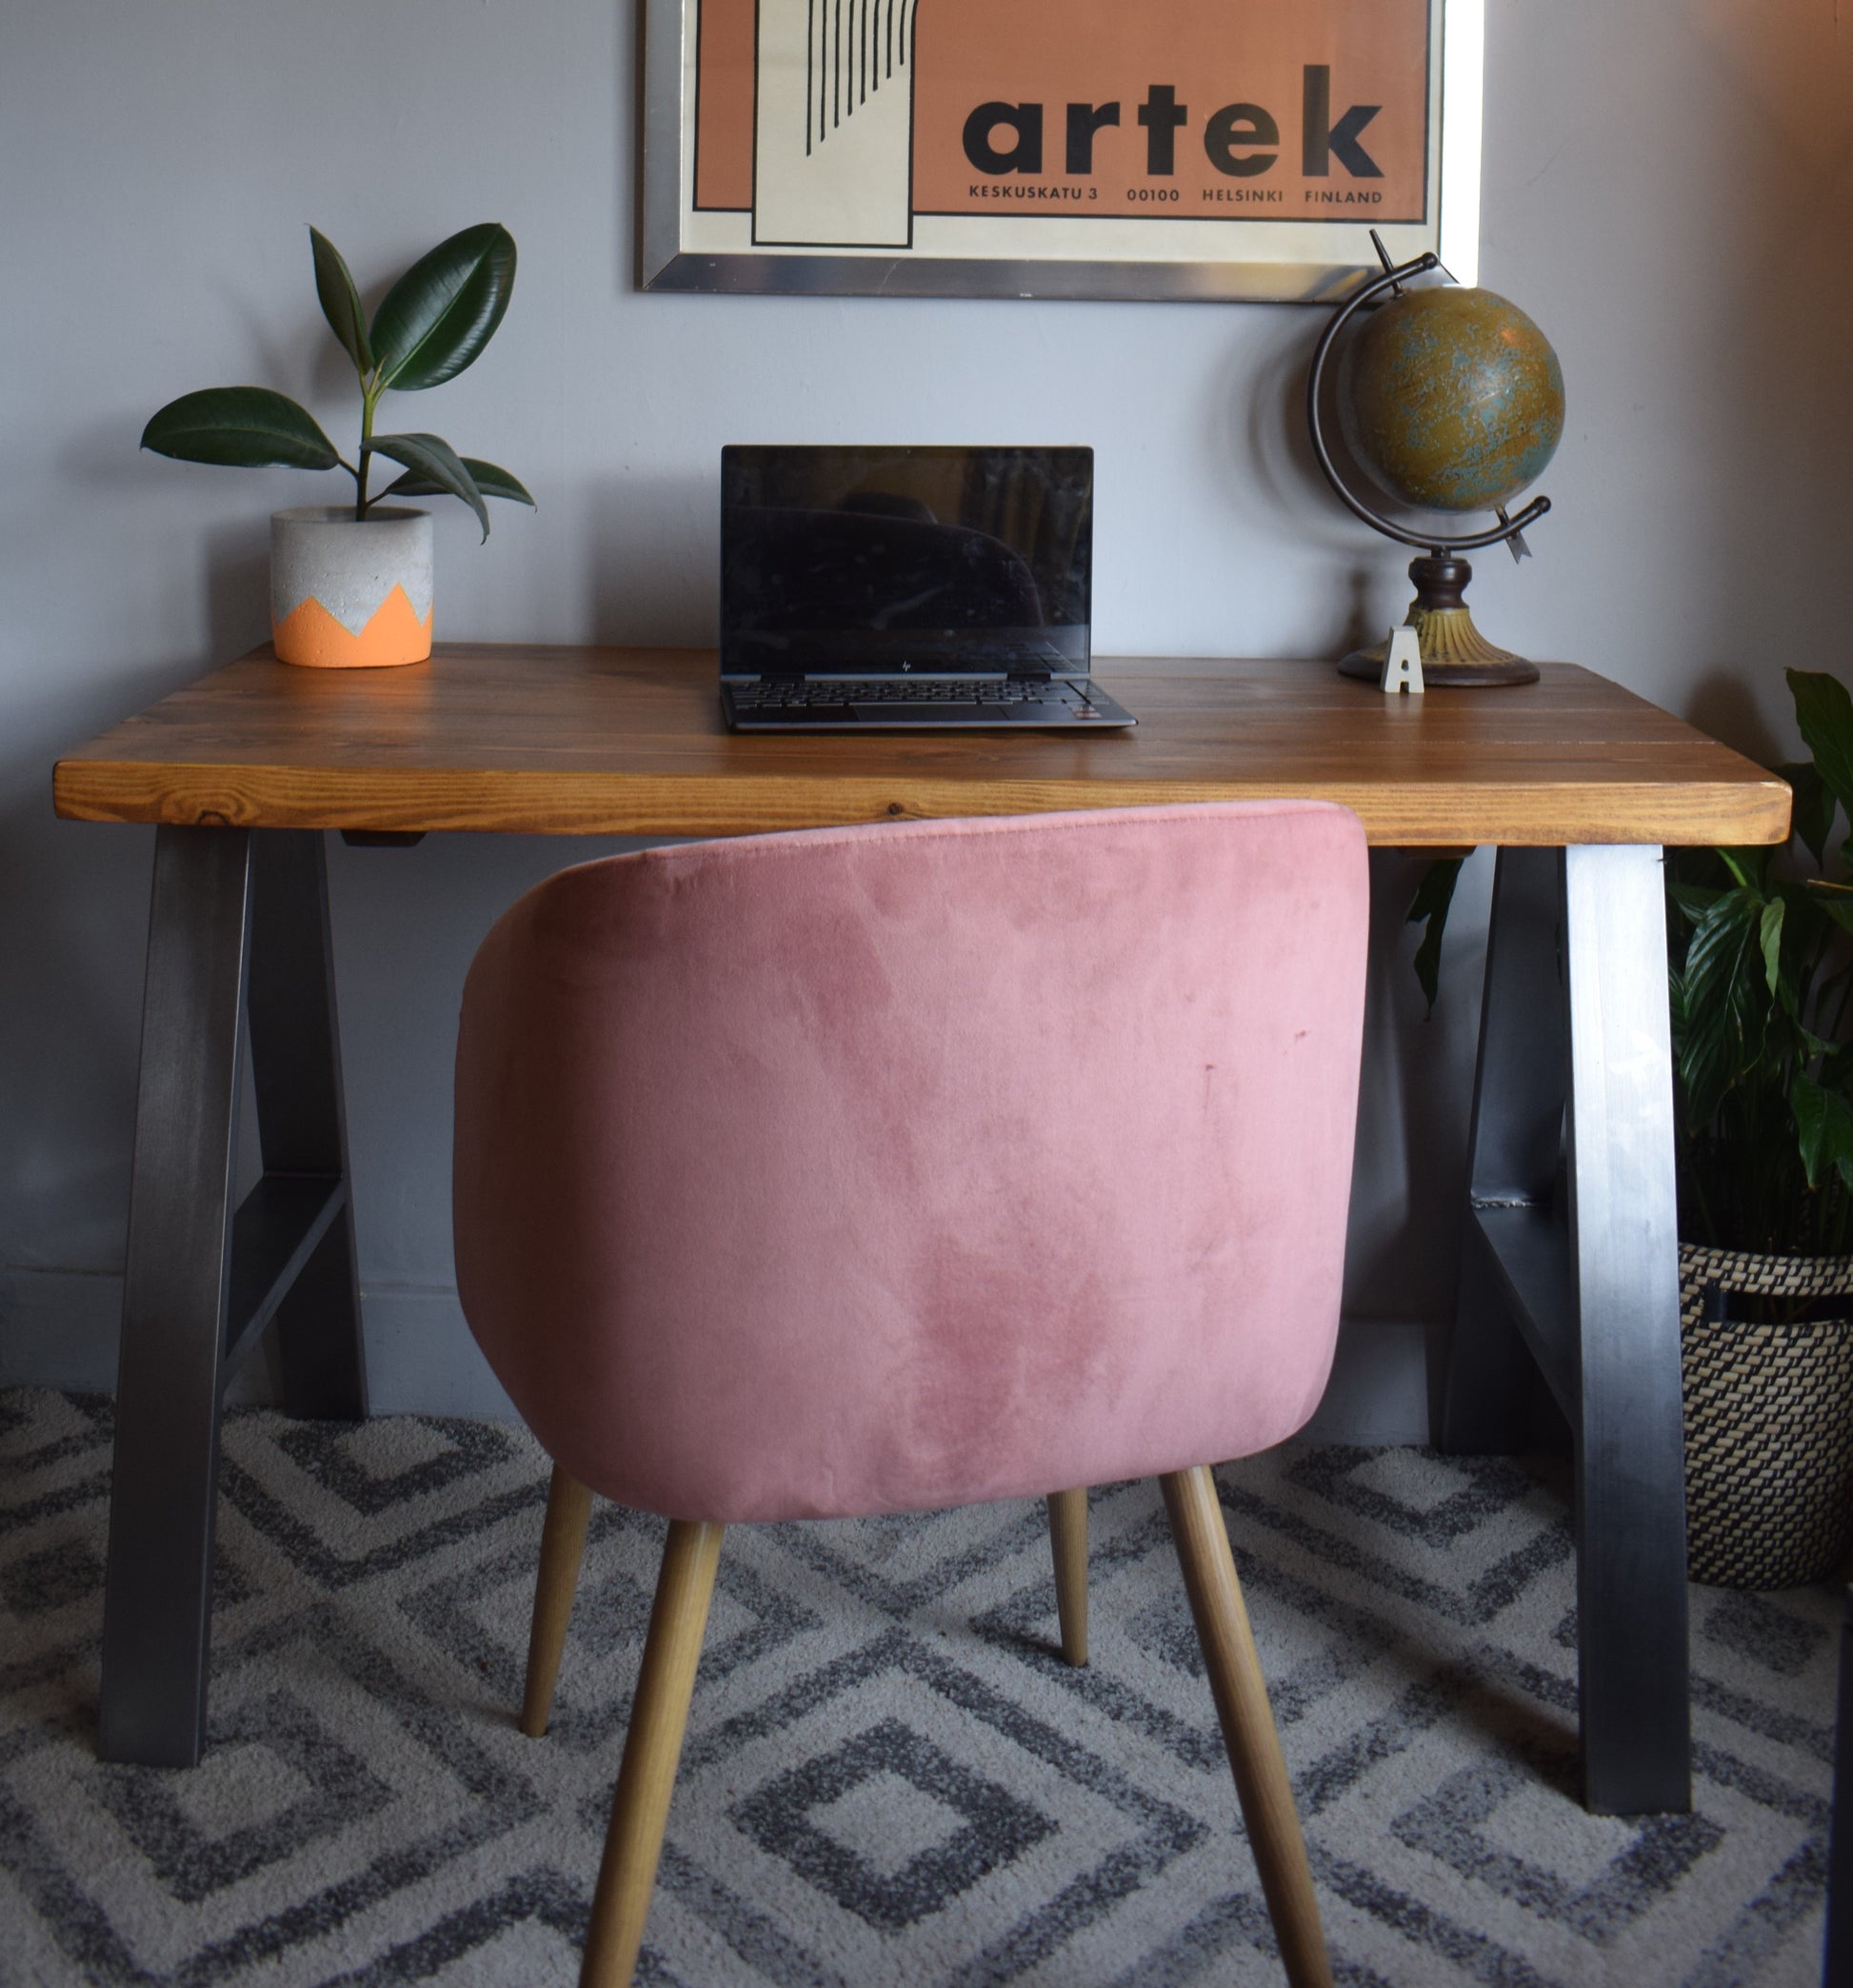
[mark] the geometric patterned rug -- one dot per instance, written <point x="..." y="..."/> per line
<point x="889" y="1776"/>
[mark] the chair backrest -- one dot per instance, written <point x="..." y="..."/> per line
<point x="888" y="1168"/>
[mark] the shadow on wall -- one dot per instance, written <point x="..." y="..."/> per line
<point x="1780" y="583"/>
<point x="238" y="586"/>
<point x="1363" y="618"/>
<point x="1272" y="478"/>
<point x="1268" y="468"/>
<point x="652" y="565"/>
<point x="1726" y="704"/>
<point x="1409" y="1187"/>
<point x="76" y="900"/>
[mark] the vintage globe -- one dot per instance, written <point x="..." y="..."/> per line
<point x="1452" y="399"/>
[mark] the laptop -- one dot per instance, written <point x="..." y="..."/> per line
<point x="904" y="588"/>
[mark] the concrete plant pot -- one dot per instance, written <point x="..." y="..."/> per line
<point x="348" y="594"/>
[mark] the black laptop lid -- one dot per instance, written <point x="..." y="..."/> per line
<point x="869" y="561"/>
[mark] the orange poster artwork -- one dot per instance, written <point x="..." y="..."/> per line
<point x="1099" y="135"/>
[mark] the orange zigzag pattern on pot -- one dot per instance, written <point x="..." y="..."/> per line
<point x="310" y="634"/>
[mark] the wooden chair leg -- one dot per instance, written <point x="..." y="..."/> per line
<point x="563" y="1547"/>
<point x="1261" y="1780"/>
<point x="659" y="1713"/>
<point x="1067" y="1536"/>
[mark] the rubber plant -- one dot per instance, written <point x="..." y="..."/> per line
<point x="431" y="324"/>
<point x="1762" y="980"/>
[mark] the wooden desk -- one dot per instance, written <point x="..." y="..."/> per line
<point x="1578" y="781"/>
<point x="629" y="742"/>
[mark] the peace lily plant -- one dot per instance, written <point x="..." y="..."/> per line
<point x="431" y="324"/>
<point x="1763" y="999"/>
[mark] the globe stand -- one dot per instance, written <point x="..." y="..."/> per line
<point x="1452" y="649"/>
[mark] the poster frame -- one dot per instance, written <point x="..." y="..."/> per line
<point x="669" y="264"/>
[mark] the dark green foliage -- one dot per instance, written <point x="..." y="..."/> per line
<point x="486" y="477"/>
<point x="244" y="426"/>
<point x="340" y="301"/>
<point x="1761" y="972"/>
<point x="435" y="463"/>
<point x="431" y="324"/>
<point x="444" y="309"/>
<point x="1430" y="909"/>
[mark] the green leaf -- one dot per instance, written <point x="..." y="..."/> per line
<point x="1813" y="810"/>
<point x="340" y="301"/>
<point x="1724" y="1004"/>
<point x="242" y="427"/>
<point x="1750" y="867"/>
<point x="433" y="460"/>
<point x="1429" y="907"/>
<point x="1823" y="1121"/>
<point x="1836" y="900"/>
<point x="1823" y="714"/>
<point x="486" y="477"/>
<point x="1770" y="938"/>
<point x="441" y="313"/>
<point x="1692" y="900"/>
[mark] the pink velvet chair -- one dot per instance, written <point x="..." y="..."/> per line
<point x="888" y="1168"/>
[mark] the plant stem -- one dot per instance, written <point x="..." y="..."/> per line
<point x="366" y="401"/>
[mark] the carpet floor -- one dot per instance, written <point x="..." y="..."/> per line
<point x="889" y="1776"/>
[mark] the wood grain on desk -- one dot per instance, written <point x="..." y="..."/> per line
<point x="629" y="742"/>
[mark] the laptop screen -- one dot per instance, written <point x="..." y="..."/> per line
<point x="866" y="561"/>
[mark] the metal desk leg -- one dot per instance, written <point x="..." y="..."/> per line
<point x="1630" y="1454"/>
<point x="158" y="1596"/>
<point x="1578" y="1289"/>
<point x="302" y="1117"/>
<point x="234" y="913"/>
<point x="1483" y="1383"/>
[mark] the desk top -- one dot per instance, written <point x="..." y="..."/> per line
<point x="629" y="742"/>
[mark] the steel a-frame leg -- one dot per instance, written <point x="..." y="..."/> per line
<point x="1570" y="1278"/>
<point x="238" y="927"/>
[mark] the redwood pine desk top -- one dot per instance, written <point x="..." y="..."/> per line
<point x="629" y="742"/>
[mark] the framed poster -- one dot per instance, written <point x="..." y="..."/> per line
<point x="1057" y="148"/>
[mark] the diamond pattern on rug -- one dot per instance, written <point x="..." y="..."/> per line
<point x="884" y="1816"/>
<point x="980" y="1825"/>
<point x="890" y="1776"/>
<point x="1650" y="1858"/>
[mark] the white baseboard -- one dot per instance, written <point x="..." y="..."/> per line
<point x="421" y="1358"/>
<point x="58" y="1328"/>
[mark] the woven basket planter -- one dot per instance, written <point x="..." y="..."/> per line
<point x="1769" y="1422"/>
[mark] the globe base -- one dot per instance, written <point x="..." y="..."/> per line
<point x="1454" y="653"/>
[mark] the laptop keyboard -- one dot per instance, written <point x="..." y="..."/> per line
<point x="828" y="694"/>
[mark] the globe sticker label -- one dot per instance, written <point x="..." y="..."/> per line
<point x="1186" y="133"/>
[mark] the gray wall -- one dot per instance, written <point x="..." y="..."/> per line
<point x="1666" y="191"/>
